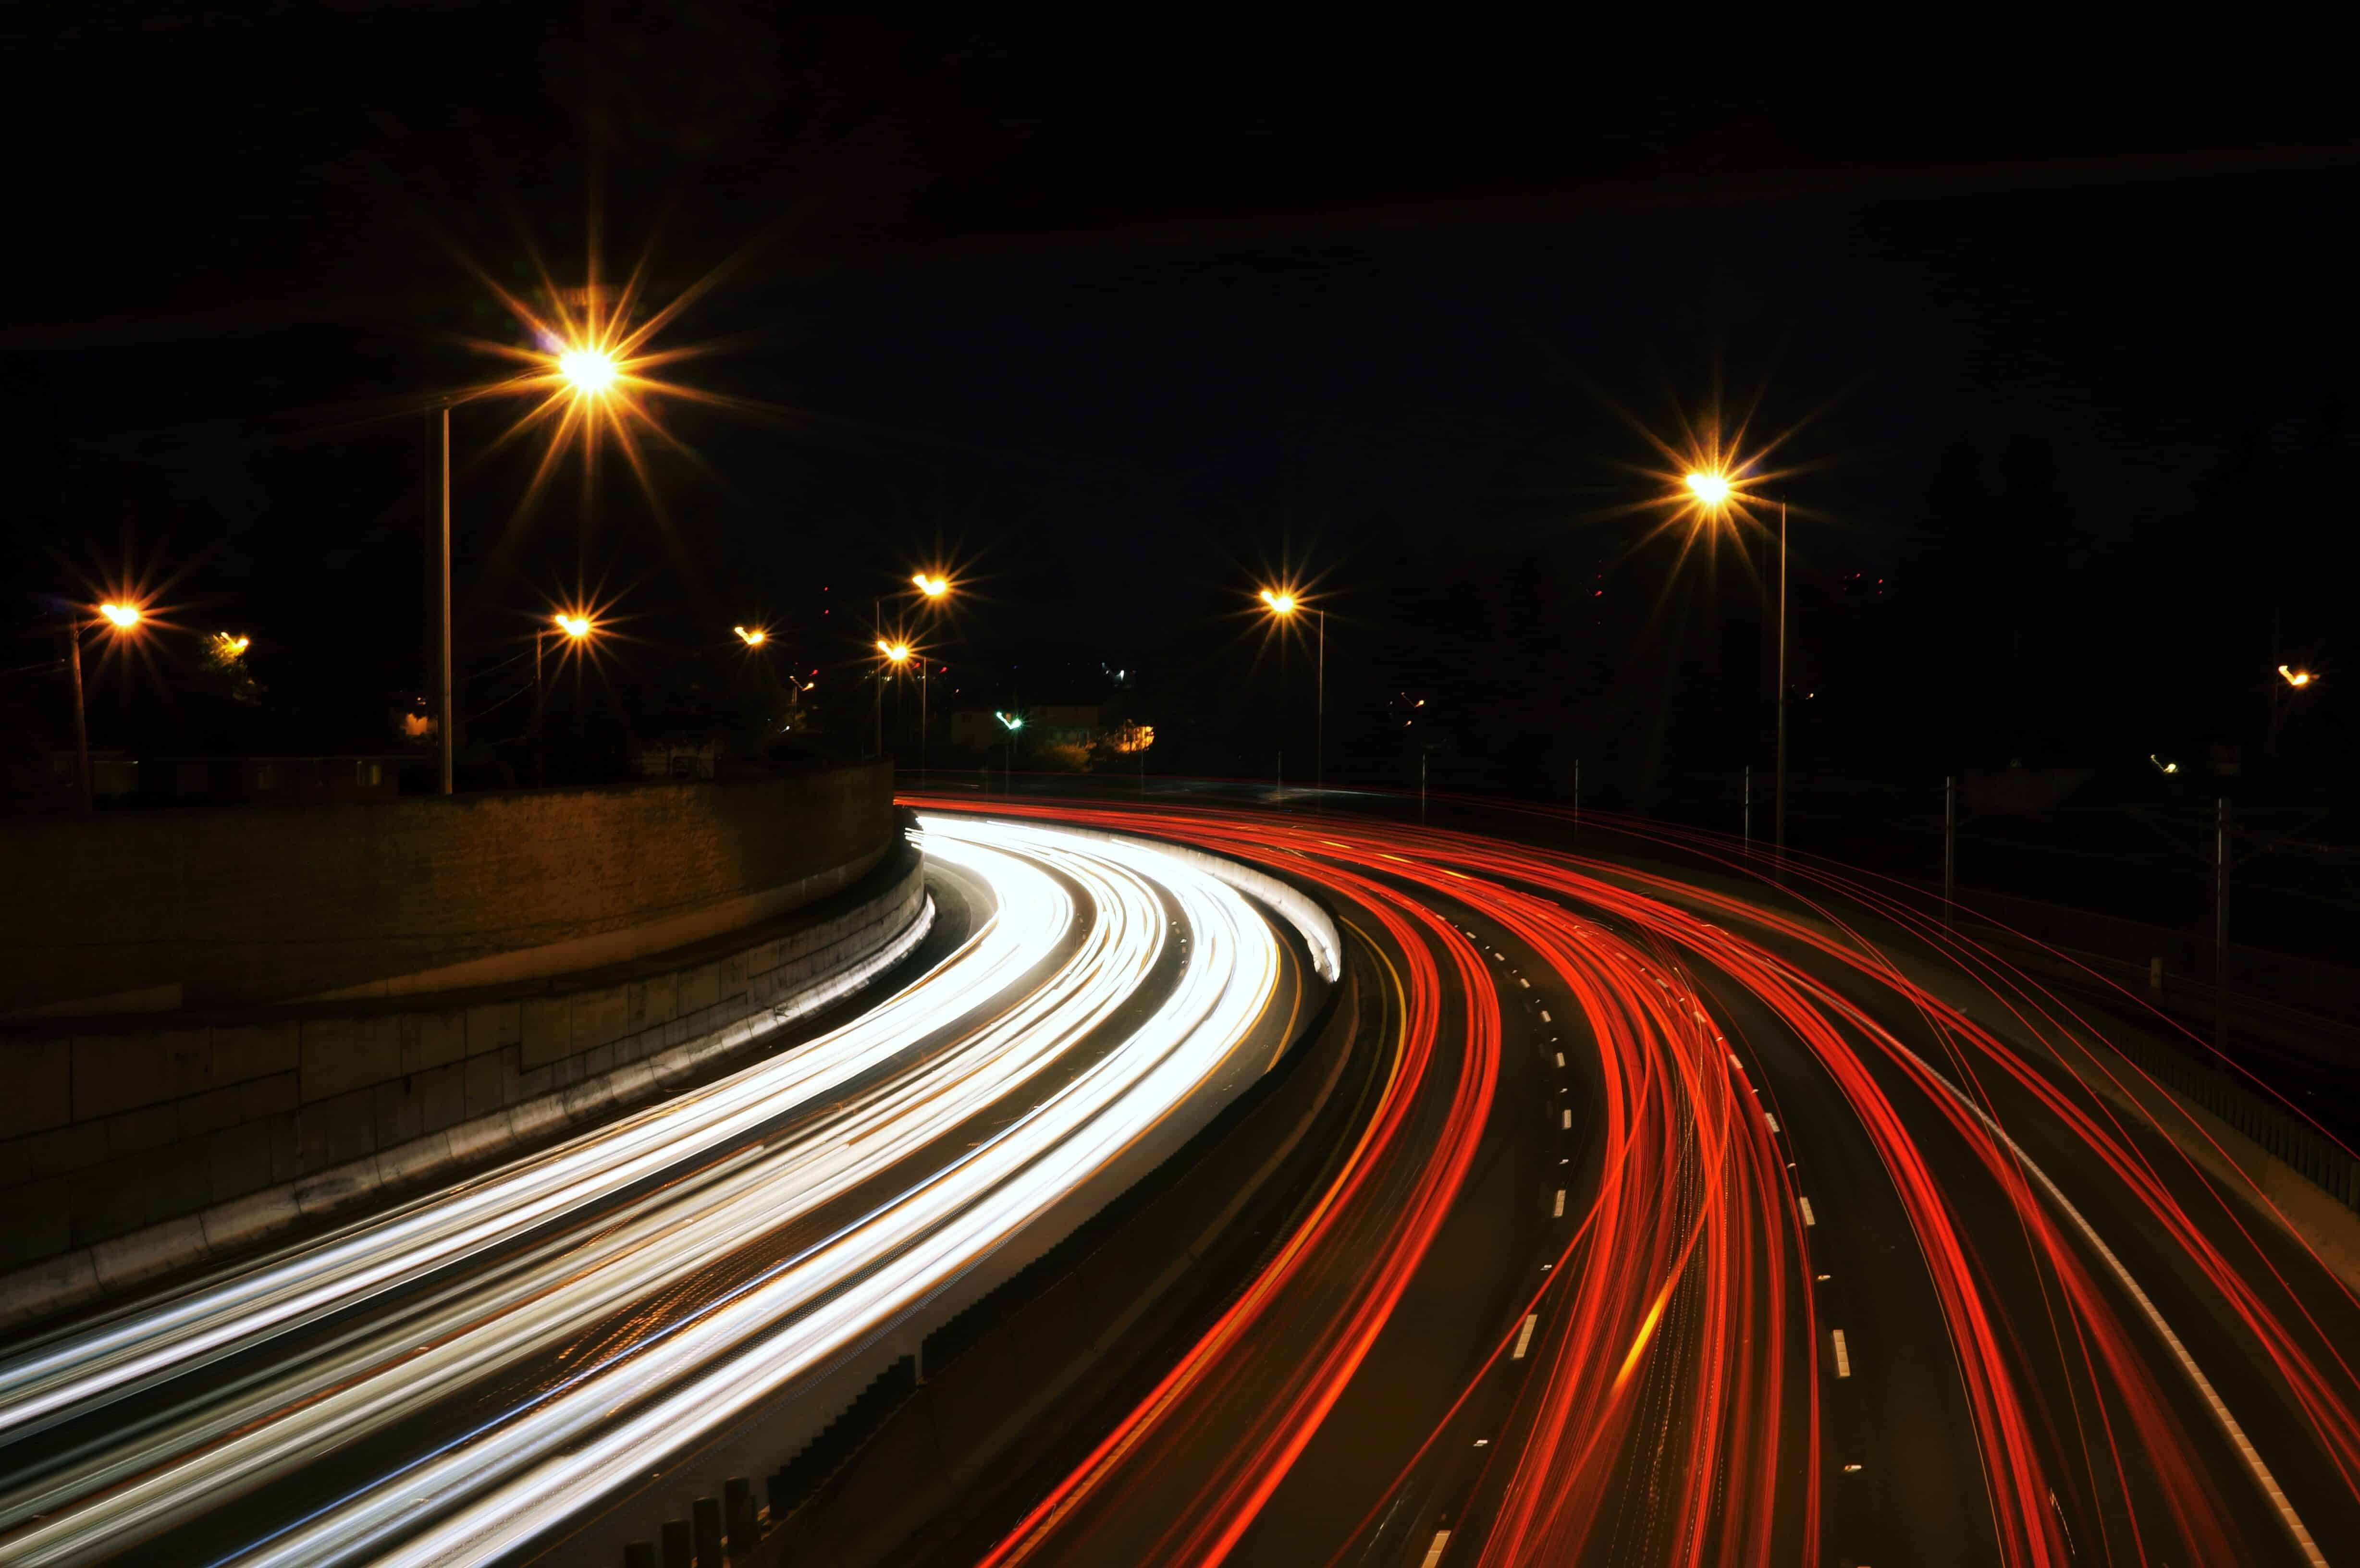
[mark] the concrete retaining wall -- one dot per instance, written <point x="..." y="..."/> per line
<point x="127" y="1150"/>
<point x="267" y="904"/>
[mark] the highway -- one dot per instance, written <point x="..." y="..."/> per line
<point x="1692" y="1215"/>
<point x="1702" y="1219"/>
<point x="473" y="1375"/>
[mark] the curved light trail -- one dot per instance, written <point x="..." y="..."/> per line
<point x="2145" y="1370"/>
<point x="855" y="1175"/>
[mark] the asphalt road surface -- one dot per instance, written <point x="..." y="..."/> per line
<point x="1693" y="1214"/>
<point x="1710" y="1219"/>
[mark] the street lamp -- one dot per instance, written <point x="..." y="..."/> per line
<point x="895" y="654"/>
<point x="933" y="587"/>
<point x="577" y="629"/>
<point x="1713" y="491"/>
<point x="590" y="371"/>
<point x="752" y="636"/>
<point x="1282" y="604"/>
<point x="1011" y="723"/>
<point x="119" y="618"/>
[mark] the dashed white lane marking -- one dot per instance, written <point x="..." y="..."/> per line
<point x="1560" y="1059"/>
<point x="1559" y="1212"/>
<point x="1434" y="1552"/>
<point x="1808" y="1218"/>
<point x="1843" y="1357"/>
<point x="2237" y="1433"/>
<point x="1525" y="1337"/>
<point x="1734" y="1063"/>
<point x="1771" y="1120"/>
<point x="1567" y="1123"/>
<point x="1525" y="984"/>
<point x="1545" y="1017"/>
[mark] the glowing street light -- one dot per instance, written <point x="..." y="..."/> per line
<point x="935" y="588"/>
<point x="120" y="617"/>
<point x="2297" y="677"/>
<point x="591" y="372"/>
<point x="228" y="645"/>
<point x="576" y="628"/>
<point x="1282" y="602"/>
<point x="896" y="654"/>
<point x="1713" y="491"/>
<point x="752" y="636"/>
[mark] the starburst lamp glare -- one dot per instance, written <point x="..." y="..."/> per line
<point x="575" y="626"/>
<point x="1711" y="489"/>
<point x="125" y="616"/>
<point x="589" y="371"/>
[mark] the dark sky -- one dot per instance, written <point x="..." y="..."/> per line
<point x="1121" y="311"/>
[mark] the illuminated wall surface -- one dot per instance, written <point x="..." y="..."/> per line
<point x="406" y="896"/>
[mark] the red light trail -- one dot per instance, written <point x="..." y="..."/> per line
<point x="1666" y="1400"/>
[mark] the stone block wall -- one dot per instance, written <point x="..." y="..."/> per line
<point x="267" y="904"/>
<point x="127" y="1149"/>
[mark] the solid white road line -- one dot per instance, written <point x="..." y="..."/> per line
<point x="2203" y="1384"/>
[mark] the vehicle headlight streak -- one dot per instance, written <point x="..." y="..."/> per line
<point x="898" y="1254"/>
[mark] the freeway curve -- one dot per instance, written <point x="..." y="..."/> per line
<point x="494" y="1372"/>
<point x="1705" y="1217"/>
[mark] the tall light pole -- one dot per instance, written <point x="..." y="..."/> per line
<point x="894" y="656"/>
<point x="1713" y="490"/>
<point x="1283" y="603"/>
<point x="576" y="628"/>
<point x="934" y="588"/>
<point x="121" y="618"/>
<point x="1011" y="723"/>
<point x="590" y="373"/>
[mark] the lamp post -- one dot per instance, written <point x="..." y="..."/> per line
<point x="577" y="629"/>
<point x="889" y="655"/>
<point x="2283" y="693"/>
<point x="933" y="587"/>
<point x="1282" y="605"/>
<point x="120" y="618"/>
<point x="1011" y="723"/>
<point x="1713" y="490"/>
<point x="592" y="372"/>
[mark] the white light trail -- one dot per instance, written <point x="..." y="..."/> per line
<point x="531" y="1465"/>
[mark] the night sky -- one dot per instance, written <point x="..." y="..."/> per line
<point x="1116" y="321"/>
